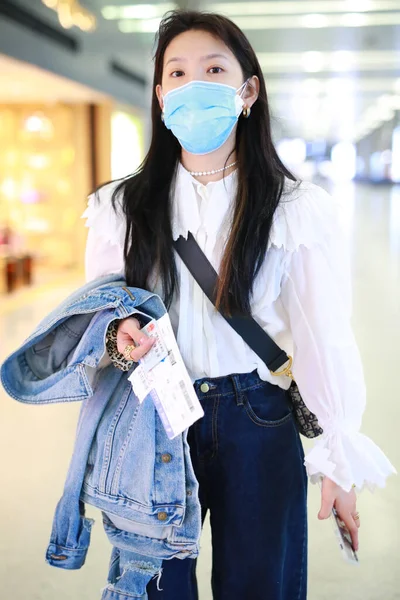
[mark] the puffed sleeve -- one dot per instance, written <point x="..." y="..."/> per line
<point x="105" y="242"/>
<point x="316" y="294"/>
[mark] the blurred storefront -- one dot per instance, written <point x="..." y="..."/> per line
<point x="44" y="173"/>
<point x="127" y="142"/>
<point x="51" y="156"/>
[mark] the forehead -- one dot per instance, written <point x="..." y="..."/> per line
<point x="196" y="44"/>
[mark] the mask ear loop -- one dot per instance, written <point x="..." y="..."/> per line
<point x="162" y="111"/>
<point x="241" y="90"/>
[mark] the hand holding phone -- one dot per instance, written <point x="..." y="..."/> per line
<point x="331" y="494"/>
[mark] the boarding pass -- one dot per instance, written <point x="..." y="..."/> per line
<point x="162" y="375"/>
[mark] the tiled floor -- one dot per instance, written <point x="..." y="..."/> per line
<point x="36" y="443"/>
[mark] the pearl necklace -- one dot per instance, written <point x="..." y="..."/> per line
<point x="213" y="172"/>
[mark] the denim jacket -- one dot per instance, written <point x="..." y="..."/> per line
<point x="118" y="463"/>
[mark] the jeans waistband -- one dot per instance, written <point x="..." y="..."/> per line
<point x="208" y="387"/>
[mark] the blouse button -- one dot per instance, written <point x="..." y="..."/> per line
<point x="162" y="516"/>
<point x="166" y="458"/>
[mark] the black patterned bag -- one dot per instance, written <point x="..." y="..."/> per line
<point x="307" y="422"/>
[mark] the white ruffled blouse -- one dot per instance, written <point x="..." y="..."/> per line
<point x="302" y="298"/>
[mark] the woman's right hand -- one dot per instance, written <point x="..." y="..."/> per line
<point x="130" y="334"/>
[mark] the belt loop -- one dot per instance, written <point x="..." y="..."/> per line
<point x="238" y="392"/>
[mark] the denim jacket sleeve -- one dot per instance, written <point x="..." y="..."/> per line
<point x="59" y="365"/>
<point x="58" y="362"/>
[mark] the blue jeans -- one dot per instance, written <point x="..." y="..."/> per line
<point x="248" y="459"/>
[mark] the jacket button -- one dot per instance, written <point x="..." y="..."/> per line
<point x="166" y="458"/>
<point x="162" y="516"/>
<point x="204" y="388"/>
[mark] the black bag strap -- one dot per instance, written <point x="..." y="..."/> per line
<point x="207" y="278"/>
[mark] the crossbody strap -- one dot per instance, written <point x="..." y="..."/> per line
<point x="251" y="332"/>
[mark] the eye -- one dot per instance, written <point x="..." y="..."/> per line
<point x="215" y="70"/>
<point x="177" y="74"/>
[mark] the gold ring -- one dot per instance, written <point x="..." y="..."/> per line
<point x="128" y="350"/>
<point x="356" y="517"/>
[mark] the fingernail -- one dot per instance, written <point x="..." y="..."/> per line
<point x="142" y="340"/>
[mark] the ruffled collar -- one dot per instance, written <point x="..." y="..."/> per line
<point x="185" y="209"/>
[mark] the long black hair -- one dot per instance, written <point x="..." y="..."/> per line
<point x="146" y="195"/>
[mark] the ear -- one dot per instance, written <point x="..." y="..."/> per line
<point x="252" y="90"/>
<point x="160" y="96"/>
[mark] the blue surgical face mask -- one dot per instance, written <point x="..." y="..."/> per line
<point x="202" y="114"/>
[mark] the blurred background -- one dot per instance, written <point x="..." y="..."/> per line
<point x="75" y="90"/>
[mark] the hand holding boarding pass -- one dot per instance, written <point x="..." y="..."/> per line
<point x="162" y="374"/>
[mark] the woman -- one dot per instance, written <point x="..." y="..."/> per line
<point x="212" y="170"/>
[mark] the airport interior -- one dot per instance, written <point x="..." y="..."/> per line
<point x="76" y="81"/>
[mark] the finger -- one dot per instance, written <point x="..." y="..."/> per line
<point x="145" y="342"/>
<point x="351" y="528"/>
<point x="326" y="505"/>
<point x="142" y="349"/>
<point x="129" y="333"/>
<point x="131" y="326"/>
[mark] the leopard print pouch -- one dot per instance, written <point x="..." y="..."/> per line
<point x="119" y="361"/>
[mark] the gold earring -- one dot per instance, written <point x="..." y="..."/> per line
<point x="246" y="112"/>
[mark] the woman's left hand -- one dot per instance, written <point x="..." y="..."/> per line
<point x="345" y="503"/>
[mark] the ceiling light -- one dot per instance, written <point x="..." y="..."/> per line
<point x="65" y="16"/>
<point x="359" y="5"/>
<point x="292" y="21"/>
<point x="71" y="13"/>
<point x="312" y="61"/>
<point x="339" y="86"/>
<point x="86" y="23"/>
<point x="304" y="7"/>
<point x="342" y="60"/>
<point x="137" y="11"/>
<point x="110" y="12"/>
<point x="141" y="11"/>
<point x="34" y="123"/>
<point x="355" y="20"/>
<point x="139" y="26"/>
<point x="311" y="86"/>
<point x="145" y="11"/>
<point x="314" y="21"/>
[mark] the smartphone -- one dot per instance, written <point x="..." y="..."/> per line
<point x="344" y="539"/>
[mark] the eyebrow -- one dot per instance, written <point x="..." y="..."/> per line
<point x="203" y="58"/>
